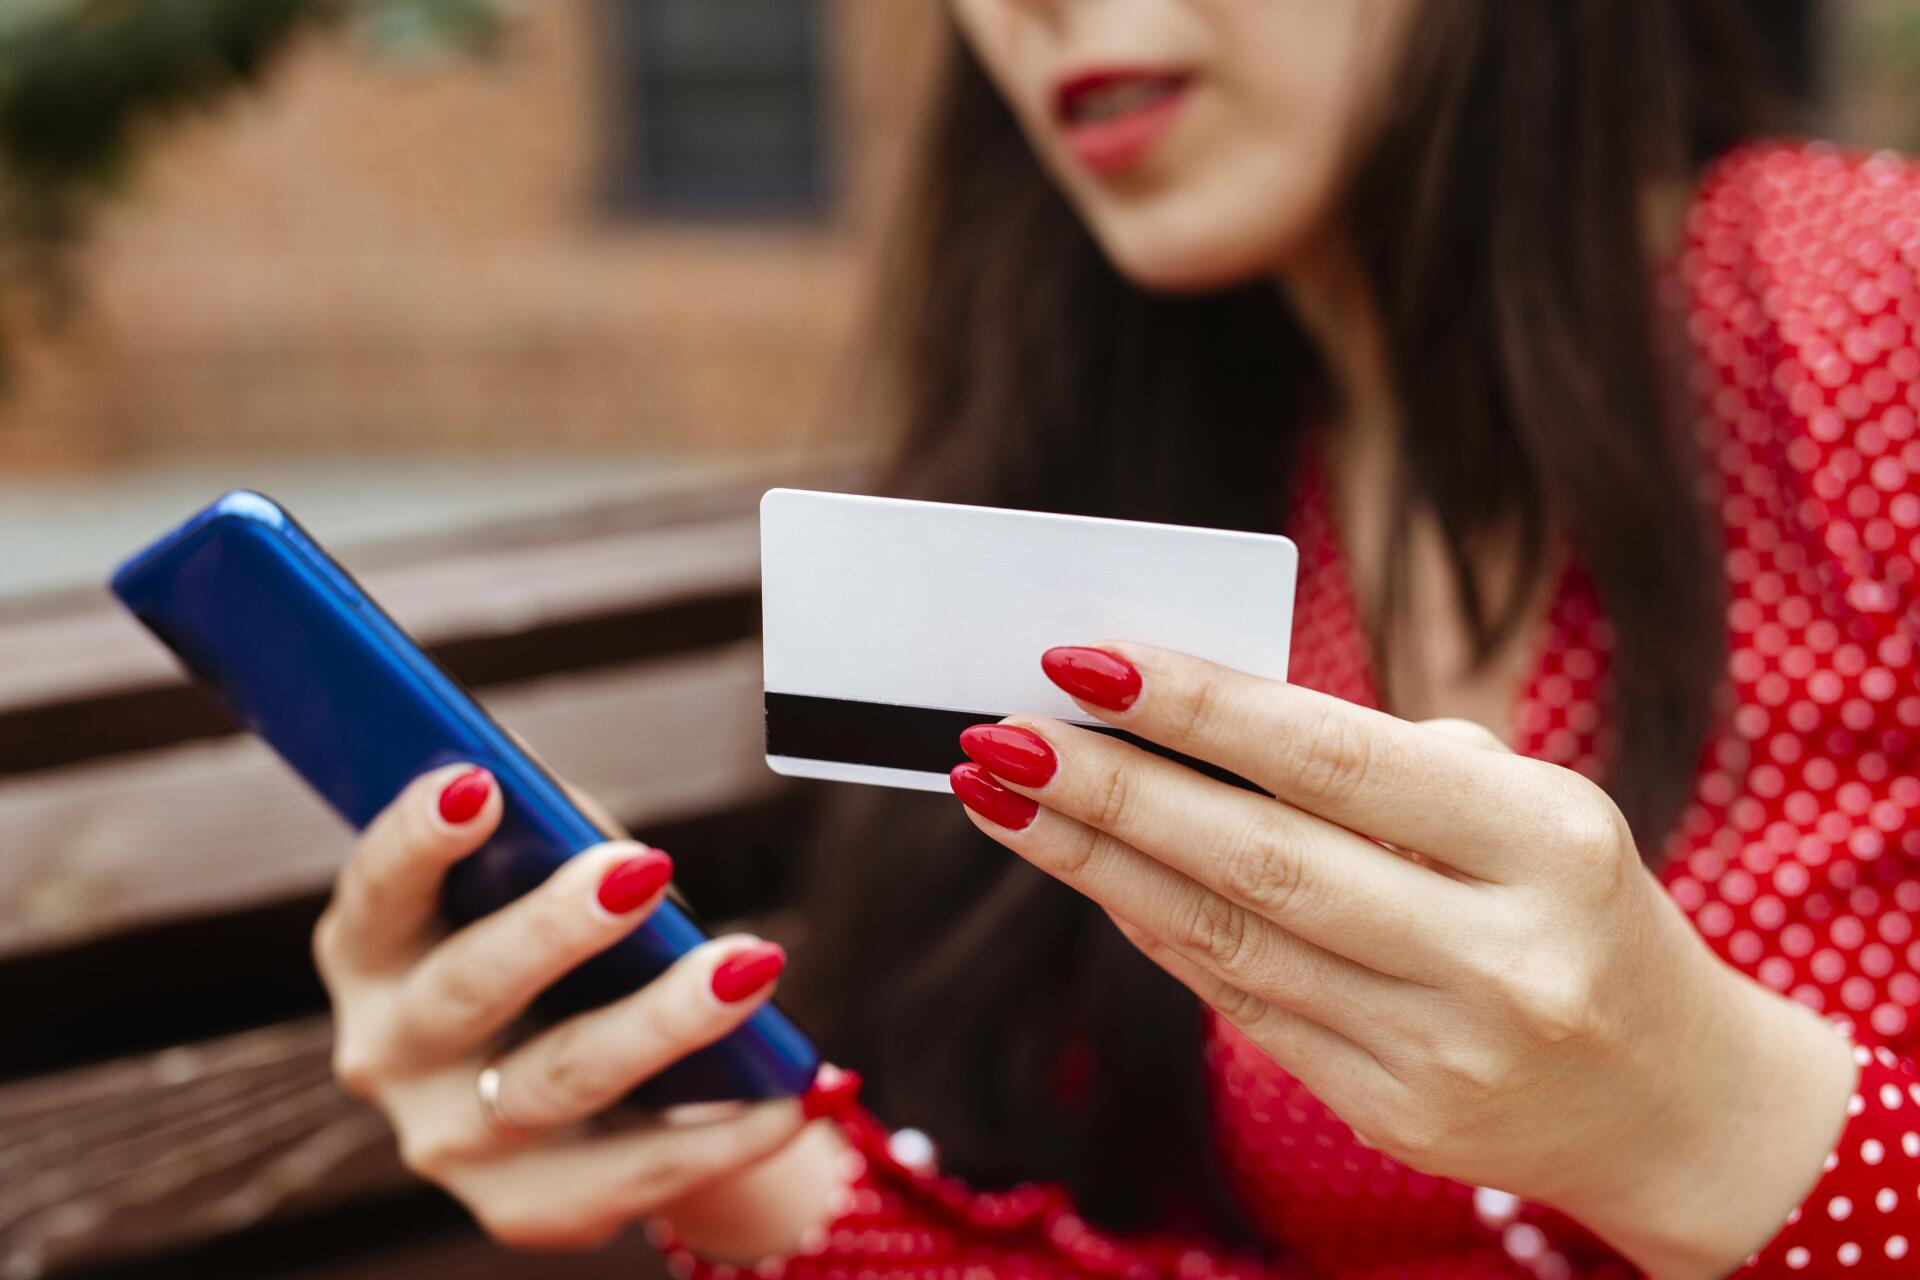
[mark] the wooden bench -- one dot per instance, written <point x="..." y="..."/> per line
<point x="165" y="1100"/>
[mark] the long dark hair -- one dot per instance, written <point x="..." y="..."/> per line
<point x="1499" y="213"/>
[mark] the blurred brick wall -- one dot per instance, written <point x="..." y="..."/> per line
<point x="364" y="254"/>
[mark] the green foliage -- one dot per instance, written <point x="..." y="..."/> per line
<point x="1880" y="53"/>
<point x="425" y="30"/>
<point x="74" y="86"/>
<point x="84" y="82"/>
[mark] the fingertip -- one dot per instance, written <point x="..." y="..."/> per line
<point x="747" y="972"/>
<point x="986" y="797"/>
<point x="429" y="783"/>
<point x="637" y="877"/>
<point x="462" y="797"/>
<point x="1014" y="751"/>
<point x="414" y="833"/>
<point x="1099" y="679"/>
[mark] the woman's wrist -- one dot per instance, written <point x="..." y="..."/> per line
<point x="1728" y="1157"/>
<point x="769" y="1209"/>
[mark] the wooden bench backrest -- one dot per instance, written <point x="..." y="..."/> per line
<point x="159" y="870"/>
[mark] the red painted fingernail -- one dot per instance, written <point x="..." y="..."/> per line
<point x="465" y="796"/>
<point x="633" y="881"/>
<point x="1093" y="675"/>
<point x="1016" y="754"/>
<point x="979" y="791"/>
<point x="745" y="972"/>
<point x="833" y="1094"/>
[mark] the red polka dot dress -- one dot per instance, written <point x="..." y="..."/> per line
<point x="1797" y="858"/>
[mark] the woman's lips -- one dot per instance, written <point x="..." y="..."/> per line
<point x="1112" y="118"/>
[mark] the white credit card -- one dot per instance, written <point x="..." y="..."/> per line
<point x="890" y="625"/>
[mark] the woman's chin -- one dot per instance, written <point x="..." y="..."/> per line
<point x="1186" y="263"/>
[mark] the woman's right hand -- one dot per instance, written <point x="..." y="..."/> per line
<point x="419" y="1014"/>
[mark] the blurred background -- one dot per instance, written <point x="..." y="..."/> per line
<point x="418" y="260"/>
<point x="519" y="304"/>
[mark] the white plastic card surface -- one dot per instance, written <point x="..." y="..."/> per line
<point x="891" y="625"/>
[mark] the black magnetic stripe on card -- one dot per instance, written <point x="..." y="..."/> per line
<point x="920" y="739"/>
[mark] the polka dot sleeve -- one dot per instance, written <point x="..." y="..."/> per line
<point x="897" y="1217"/>
<point x="1864" y="1213"/>
<point x="1804" y="270"/>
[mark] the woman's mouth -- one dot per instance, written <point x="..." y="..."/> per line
<point x="1112" y="118"/>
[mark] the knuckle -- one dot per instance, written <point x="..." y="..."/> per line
<point x="564" y="1079"/>
<point x="655" y="1181"/>
<point x="1375" y="1118"/>
<point x="519" y="1229"/>
<point x="555" y="925"/>
<point x="1473" y="1071"/>
<point x="500" y="1228"/>
<point x="1243" y="1010"/>
<point x="1585" y="824"/>
<point x="1554" y="1005"/>
<point x="674" y="1016"/>
<point x="355" y="1069"/>
<point x="1220" y="931"/>
<point x="371" y="883"/>
<point x="325" y="942"/>
<point x="1333" y="760"/>
<point x="364" y="894"/>
<point x="685" y="1023"/>
<point x="1366" y="1132"/>
<point x="401" y="828"/>
<point x="1112" y="797"/>
<point x="459" y="1006"/>
<point x="1502" y="944"/>
<point x="563" y="1235"/>
<point x="1193" y="716"/>
<point x="428" y="1154"/>
<point x="1079" y="853"/>
<point x="1263" y="874"/>
<point x="594" y="1232"/>
<point x="1417" y="1136"/>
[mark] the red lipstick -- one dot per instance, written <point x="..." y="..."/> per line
<point x="1113" y="116"/>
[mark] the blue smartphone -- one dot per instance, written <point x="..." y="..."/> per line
<point x="266" y="620"/>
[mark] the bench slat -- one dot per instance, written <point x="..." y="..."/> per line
<point x="179" y="1146"/>
<point x="222" y="825"/>
<point x="95" y="647"/>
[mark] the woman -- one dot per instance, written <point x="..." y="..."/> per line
<point x="1606" y="431"/>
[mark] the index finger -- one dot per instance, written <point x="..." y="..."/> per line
<point x="388" y="894"/>
<point x="1366" y="770"/>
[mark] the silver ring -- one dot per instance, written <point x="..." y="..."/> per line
<point x="488" y="1087"/>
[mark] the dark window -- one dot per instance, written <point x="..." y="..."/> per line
<point x="718" y="106"/>
<point x="1790" y="37"/>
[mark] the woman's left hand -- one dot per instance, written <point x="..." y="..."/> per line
<point x="1457" y="948"/>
